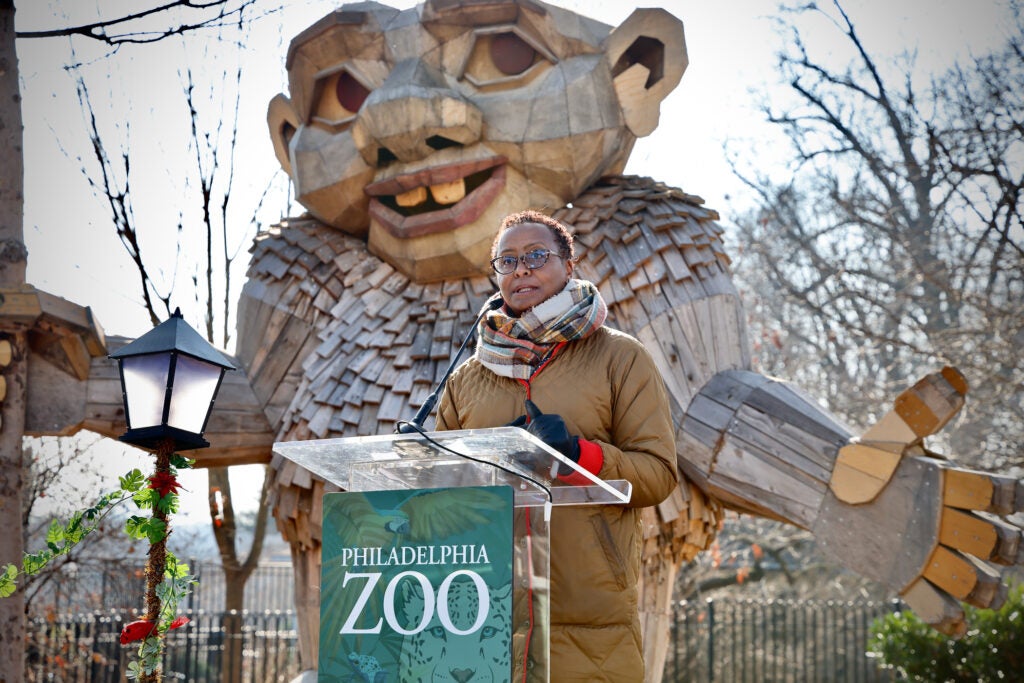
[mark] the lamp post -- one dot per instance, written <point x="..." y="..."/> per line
<point x="169" y="379"/>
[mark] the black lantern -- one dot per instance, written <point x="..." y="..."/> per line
<point x="169" y="377"/>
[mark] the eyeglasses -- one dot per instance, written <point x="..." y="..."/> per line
<point x="503" y="265"/>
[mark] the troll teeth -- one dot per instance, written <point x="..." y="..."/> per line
<point x="449" y="193"/>
<point x="413" y="197"/>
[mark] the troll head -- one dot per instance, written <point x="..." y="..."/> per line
<point x="418" y="130"/>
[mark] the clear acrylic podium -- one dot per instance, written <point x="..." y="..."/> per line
<point x="474" y="457"/>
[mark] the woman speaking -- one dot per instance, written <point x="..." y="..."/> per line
<point x="546" y="362"/>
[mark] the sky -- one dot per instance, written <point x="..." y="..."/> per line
<point x="137" y="94"/>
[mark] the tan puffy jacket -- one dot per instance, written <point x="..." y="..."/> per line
<point x="609" y="392"/>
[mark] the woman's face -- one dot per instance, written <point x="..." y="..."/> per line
<point x="523" y="288"/>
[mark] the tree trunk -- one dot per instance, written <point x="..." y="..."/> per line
<point x="236" y="573"/>
<point x="234" y="585"/>
<point x="12" y="609"/>
<point x="12" y="275"/>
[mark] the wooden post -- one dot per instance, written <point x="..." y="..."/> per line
<point x="157" y="563"/>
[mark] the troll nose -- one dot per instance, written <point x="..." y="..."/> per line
<point x="412" y="115"/>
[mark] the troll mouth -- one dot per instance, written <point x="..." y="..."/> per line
<point x="436" y="199"/>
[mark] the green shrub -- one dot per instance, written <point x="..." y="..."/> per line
<point x="992" y="650"/>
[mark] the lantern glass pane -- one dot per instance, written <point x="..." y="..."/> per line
<point x="195" y="382"/>
<point x="145" y="384"/>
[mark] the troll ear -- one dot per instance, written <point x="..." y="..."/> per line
<point x="283" y="122"/>
<point x="647" y="54"/>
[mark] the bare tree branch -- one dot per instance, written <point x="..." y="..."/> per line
<point x="896" y="244"/>
<point x="99" y="30"/>
<point x="117" y="193"/>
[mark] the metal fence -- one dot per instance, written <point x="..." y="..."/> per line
<point x="86" y="648"/>
<point x="731" y="641"/>
<point x="715" y="641"/>
<point x="119" y="585"/>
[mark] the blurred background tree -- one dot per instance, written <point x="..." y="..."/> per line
<point x="993" y="650"/>
<point x="890" y="243"/>
<point x="894" y="243"/>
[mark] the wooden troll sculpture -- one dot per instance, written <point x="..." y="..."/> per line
<point x="408" y="136"/>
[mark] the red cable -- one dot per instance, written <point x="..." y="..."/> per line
<point x="529" y="540"/>
<point x="529" y="594"/>
<point x="547" y="359"/>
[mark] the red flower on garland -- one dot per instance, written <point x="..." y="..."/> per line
<point x="144" y="628"/>
<point x="137" y="630"/>
<point x="164" y="482"/>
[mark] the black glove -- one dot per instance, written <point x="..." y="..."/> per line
<point x="551" y="430"/>
<point x="518" y="422"/>
<point x="537" y="462"/>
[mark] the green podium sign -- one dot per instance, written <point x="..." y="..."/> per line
<point x="416" y="585"/>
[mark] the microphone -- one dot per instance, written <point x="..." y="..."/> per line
<point x="416" y="425"/>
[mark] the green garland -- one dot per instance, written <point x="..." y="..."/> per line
<point x="168" y="580"/>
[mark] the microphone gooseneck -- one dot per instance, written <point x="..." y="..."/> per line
<point x="416" y="424"/>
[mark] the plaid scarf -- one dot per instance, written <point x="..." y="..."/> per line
<point x="514" y="347"/>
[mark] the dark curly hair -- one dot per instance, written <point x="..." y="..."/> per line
<point x="563" y="238"/>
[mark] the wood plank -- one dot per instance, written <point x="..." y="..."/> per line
<point x="63" y="348"/>
<point x="701" y="308"/>
<point x="695" y="445"/>
<point x="689" y="363"/>
<point x="19" y="305"/>
<point x="69" y="316"/>
<point x="770" y="478"/>
<point x="316" y="513"/>
<point x="892" y="539"/>
<point x="56" y="403"/>
<point x="748" y="426"/>
<point x="287" y="502"/>
<point x="741" y="496"/>
<point x="244" y="423"/>
<point x="281" y="356"/>
<point x="285" y="474"/>
<point x="967" y="489"/>
<point x="787" y="404"/>
<point x="854" y="486"/>
<point x="696" y="361"/>
<point x="654" y="301"/>
<point x="890" y="428"/>
<point x="227" y="457"/>
<point x="670" y="508"/>
<point x="733" y="388"/>
<point x="932" y="402"/>
<point x="861" y="472"/>
<point x="732" y="336"/>
<point x="972" y="534"/>
<point x="820" y="454"/>
<point x="656" y="337"/>
<point x="710" y="412"/>
<point x="954" y="573"/>
<point x="263" y="323"/>
<point x="935" y="608"/>
<point x="302" y="478"/>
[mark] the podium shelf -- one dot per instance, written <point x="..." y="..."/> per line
<point x="470" y="457"/>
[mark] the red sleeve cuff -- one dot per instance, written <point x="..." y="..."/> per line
<point x="591" y="459"/>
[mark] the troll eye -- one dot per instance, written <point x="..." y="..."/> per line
<point x="340" y="95"/>
<point x="510" y="54"/>
<point x="505" y="57"/>
<point x="350" y="93"/>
